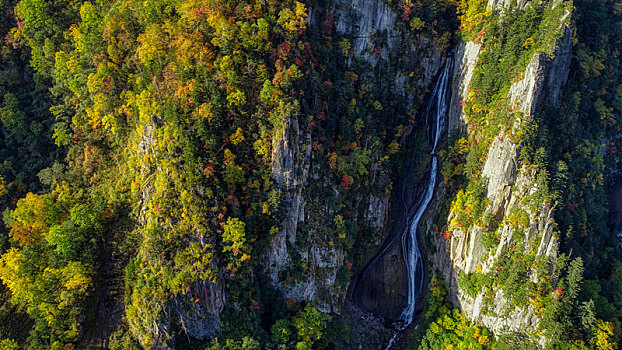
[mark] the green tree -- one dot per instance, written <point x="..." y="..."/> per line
<point x="310" y="325"/>
<point x="8" y="344"/>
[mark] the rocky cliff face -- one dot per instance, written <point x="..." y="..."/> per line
<point x="510" y="187"/>
<point x="365" y="19"/>
<point x="466" y="60"/>
<point x="370" y="26"/>
<point x="197" y="311"/>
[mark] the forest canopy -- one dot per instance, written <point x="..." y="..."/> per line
<point x="156" y="155"/>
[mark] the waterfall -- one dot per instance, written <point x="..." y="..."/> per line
<point x="435" y="116"/>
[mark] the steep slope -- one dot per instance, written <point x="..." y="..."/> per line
<point x="232" y="167"/>
<point x="221" y="142"/>
<point x="381" y="54"/>
<point x="500" y="247"/>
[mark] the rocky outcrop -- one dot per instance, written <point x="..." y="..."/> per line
<point x="509" y="187"/>
<point x="560" y="65"/>
<point x="197" y="311"/>
<point x="504" y="4"/>
<point x="466" y="59"/>
<point x="370" y="27"/>
<point x="145" y="146"/>
<point x="525" y="93"/>
<point x="365" y="19"/>
<point x="467" y="254"/>
<point x="500" y="169"/>
<point x="288" y="173"/>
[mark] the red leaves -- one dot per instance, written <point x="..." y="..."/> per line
<point x="200" y="12"/>
<point x="612" y="149"/>
<point x="481" y="33"/>
<point x="308" y="50"/>
<point x="406" y="13"/>
<point x="349" y="266"/>
<point x="346" y="182"/>
<point x="309" y="53"/>
<point x="315" y="145"/>
<point x="278" y="79"/>
<point x="209" y="170"/>
<point x="279" y="65"/>
<point x="231" y="198"/>
<point x="351" y="76"/>
<point x="284" y="49"/>
<point x="447" y="234"/>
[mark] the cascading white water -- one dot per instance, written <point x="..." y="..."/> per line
<point x="436" y="114"/>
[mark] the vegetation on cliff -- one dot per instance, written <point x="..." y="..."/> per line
<point x="555" y="146"/>
<point x="139" y="136"/>
<point x="166" y="114"/>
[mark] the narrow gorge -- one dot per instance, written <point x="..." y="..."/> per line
<point x="369" y="290"/>
<point x="310" y="174"/>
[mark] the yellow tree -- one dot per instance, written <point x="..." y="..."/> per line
<point x="294" y="22"/>
<point x="234" y="239"/>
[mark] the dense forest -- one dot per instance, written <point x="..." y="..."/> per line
<point x="152" y="154"/>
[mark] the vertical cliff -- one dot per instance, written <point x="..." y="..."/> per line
<point x="393" y="65"/>
<point x="466" y="59"/>
<point x="276" y="174"/>
<point x="502" y="220"/>
<point x="196" y="309"/>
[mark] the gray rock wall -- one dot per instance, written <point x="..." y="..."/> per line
<point x="508" y="186"/>
<point x="466" y="59"/>
<point x="368" y="24"/>
<point x="198" y="310"/>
